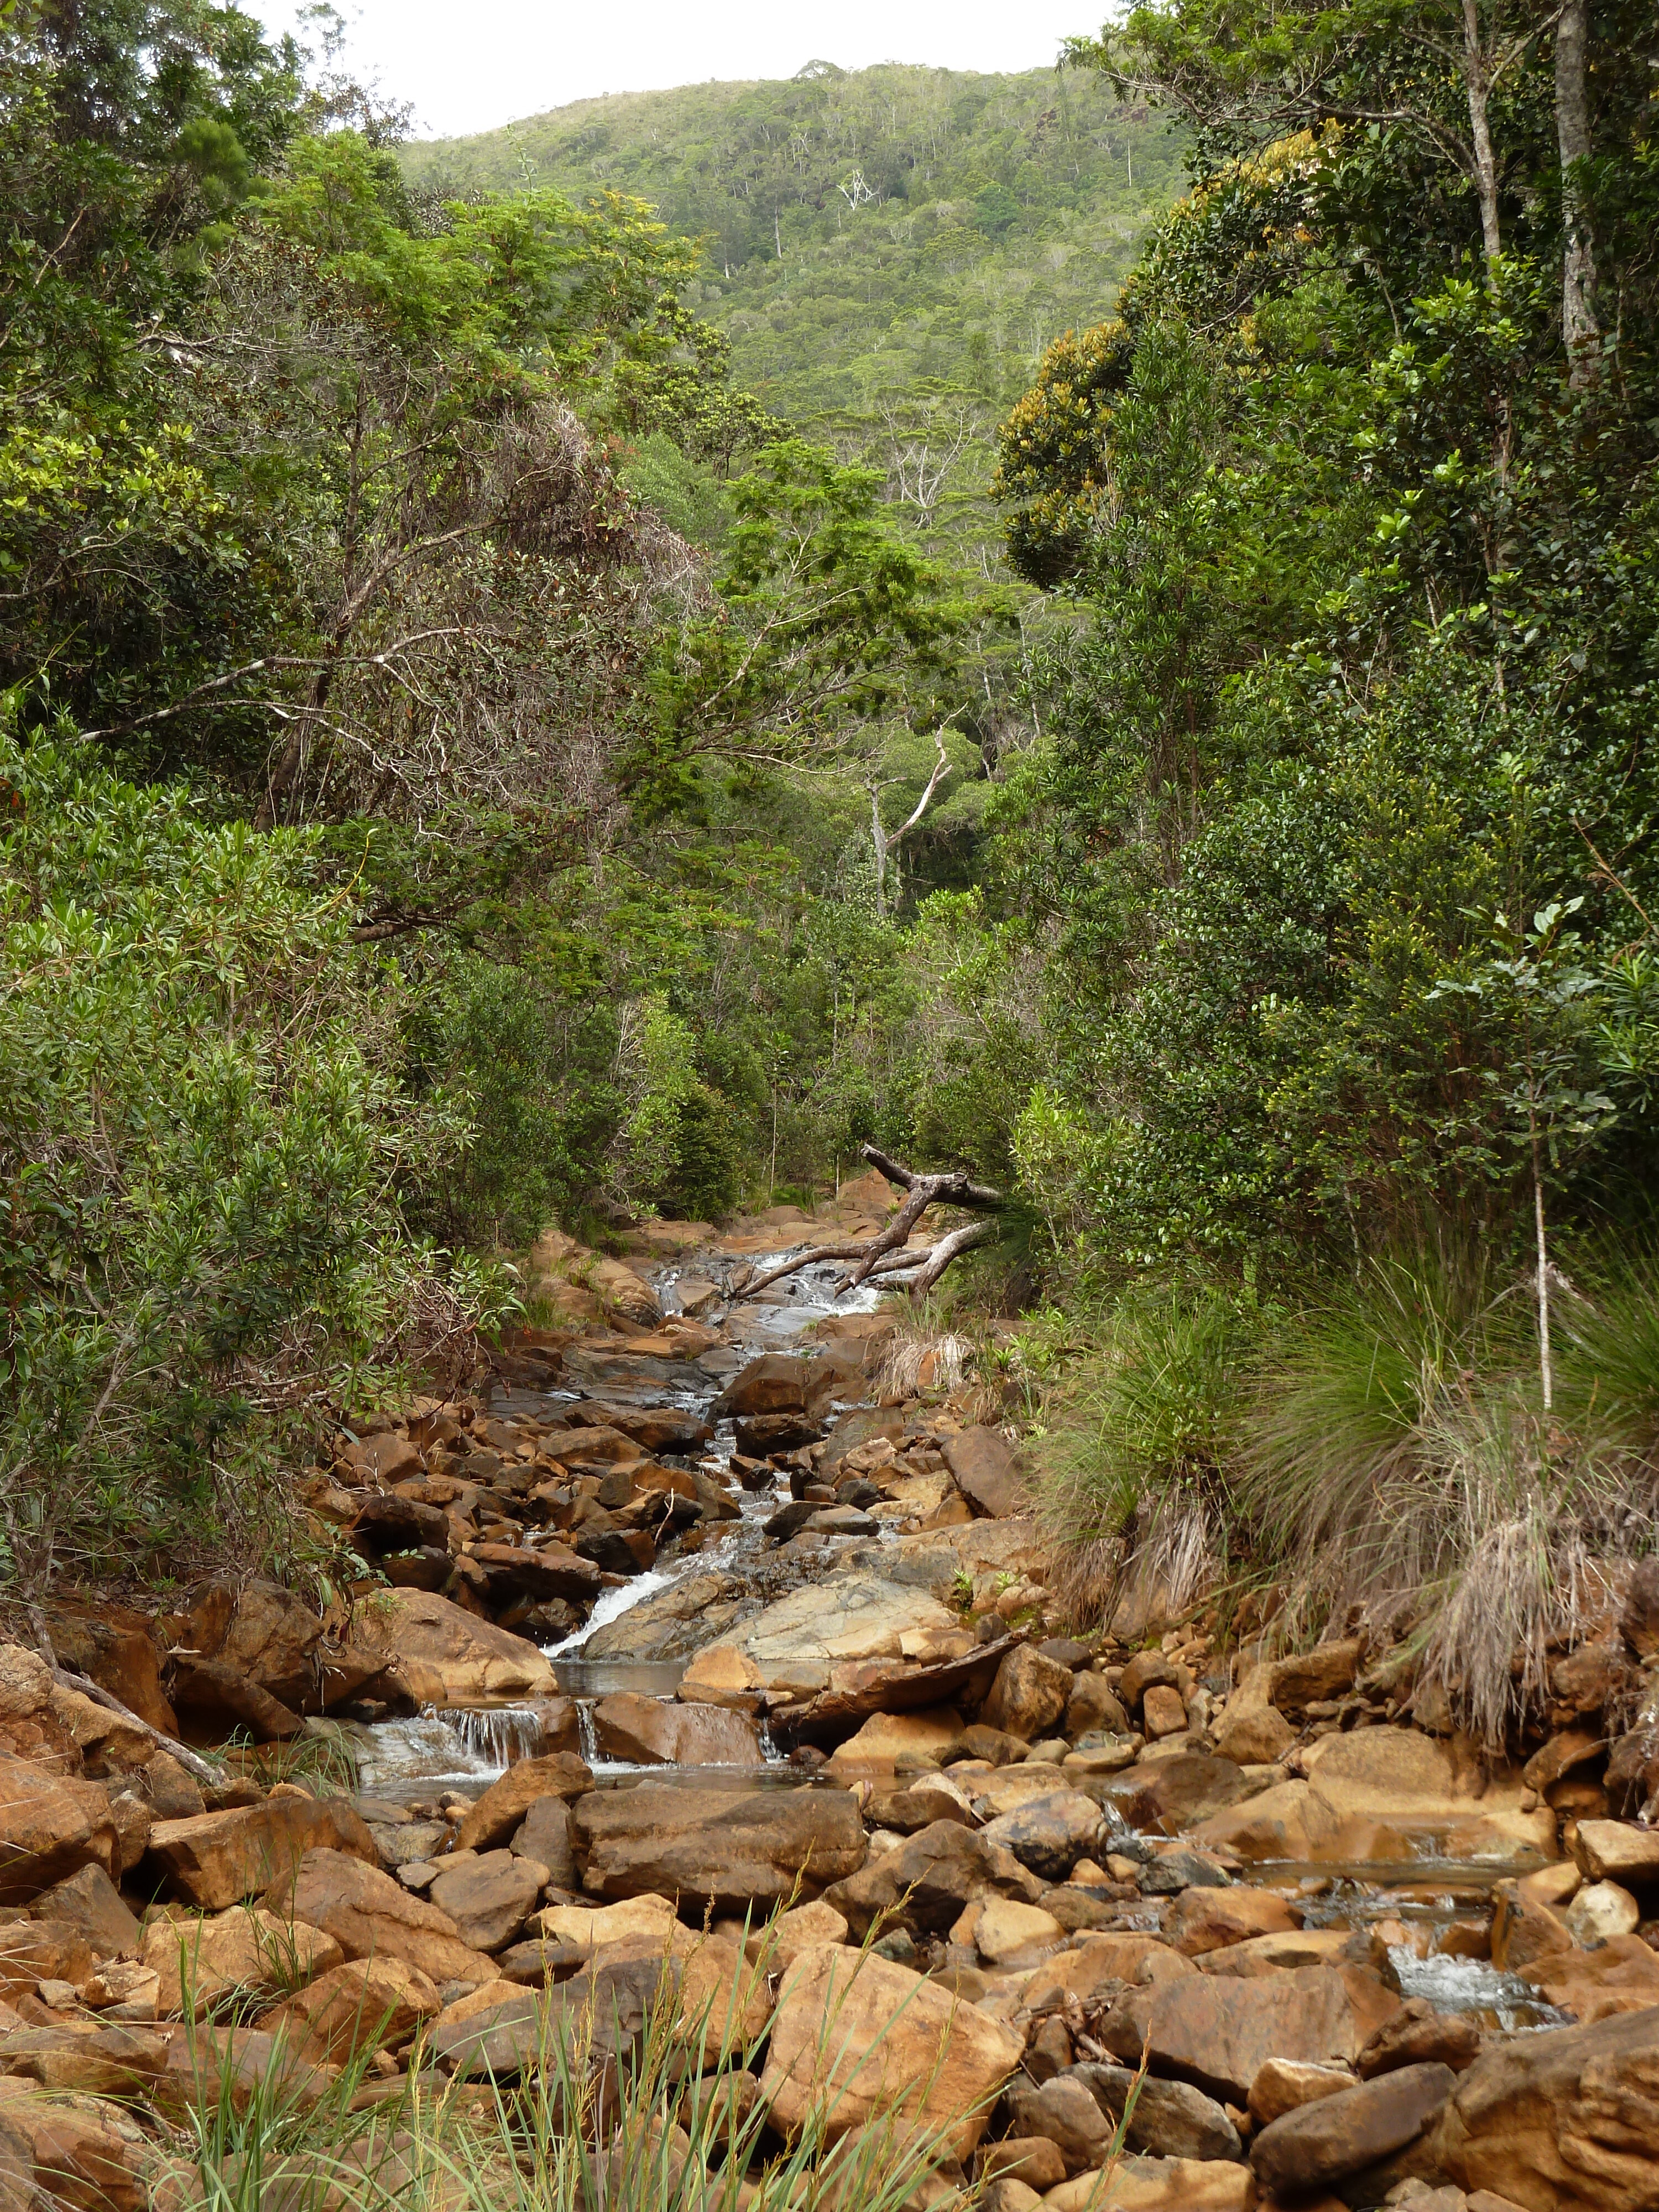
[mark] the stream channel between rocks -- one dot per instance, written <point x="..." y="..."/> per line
<point x="461" y="1750"/>
<point x="467" y="1748"/>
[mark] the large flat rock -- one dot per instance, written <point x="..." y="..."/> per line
<point x="730" y="1844"/>
<point x="794" y="1644"/>
<point x="441" y="1656"/>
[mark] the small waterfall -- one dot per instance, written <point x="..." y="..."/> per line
<point x="768" y="1749"/>
<point x="609" y="1606"/>
<point x="588" y="1740"/>
<point x="496" y="1735"/>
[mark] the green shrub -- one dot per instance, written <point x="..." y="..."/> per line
<point x="201" y="1130"/>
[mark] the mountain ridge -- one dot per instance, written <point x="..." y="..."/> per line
<point x="867" y="233"/>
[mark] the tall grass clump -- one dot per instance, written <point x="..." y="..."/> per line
<point x="1132" y="1466"/>
<point x="1383" y="1450"/>
<point x="638" y="2095"/>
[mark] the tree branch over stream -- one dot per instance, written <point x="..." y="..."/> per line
<point x="885" y="1253"/>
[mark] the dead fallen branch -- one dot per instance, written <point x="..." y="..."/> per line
<point x="885" y="1253"/>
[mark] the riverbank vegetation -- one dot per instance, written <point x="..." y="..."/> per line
<point x="471" y="763"/>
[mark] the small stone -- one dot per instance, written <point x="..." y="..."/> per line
<point x="1600" y="1911"/>
<point x="1163" y="1712"/>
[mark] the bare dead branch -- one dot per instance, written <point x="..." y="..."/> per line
<point x="885" y="1253"/>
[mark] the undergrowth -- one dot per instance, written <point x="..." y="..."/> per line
<point x="639" y="2099"/>
<point x="1383" y="1446"/>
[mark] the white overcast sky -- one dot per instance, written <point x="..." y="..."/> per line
<point x="471" y="66"/>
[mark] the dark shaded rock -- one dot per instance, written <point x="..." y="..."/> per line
<point x="489" y="1898"/>
<point x="223" y="1697"/>
<point x="612" y="1551"/>
<point x="1323" y="2143"/>
<point x="1069" y="1652"/>
<point x="1171" y="1872"/>
<point x="1049" y="1834"/>
<point x="935" y="1872"/>
<point x="389" y="1521"/>
<point x="789" y="1519"/>
<point x="262" y="1632"/>
<point x="428" y="1568"/>
<point x="1171" y="2119"/>
<point x="513" y="1571"/>
<point x="857" y="1490"/>
<point x="766" y="1433"/>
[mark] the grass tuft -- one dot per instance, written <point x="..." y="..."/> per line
<point x="1383" y="1450"/>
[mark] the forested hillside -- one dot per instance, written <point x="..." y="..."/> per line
<point x="889" y="251"/>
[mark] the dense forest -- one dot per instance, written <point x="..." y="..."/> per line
<point x="470" y="662"/>
<point x="889" y="252"/>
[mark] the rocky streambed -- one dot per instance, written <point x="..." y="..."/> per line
<point x="686" y="1657"/>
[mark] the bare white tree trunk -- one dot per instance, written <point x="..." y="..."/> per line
<point x="883" y="840"/>
<point x="1477" y="84"/>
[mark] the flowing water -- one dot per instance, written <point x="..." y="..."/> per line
<point x="462" y="1749"/>
<point x="466" y="1748"/>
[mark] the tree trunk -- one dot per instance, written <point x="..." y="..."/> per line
<point x="878" y="839"/>
<point x="1477" y="83"/>
<point x="1580" y="328"/>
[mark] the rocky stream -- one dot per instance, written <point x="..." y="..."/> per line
<point x="686" y="1647"/>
